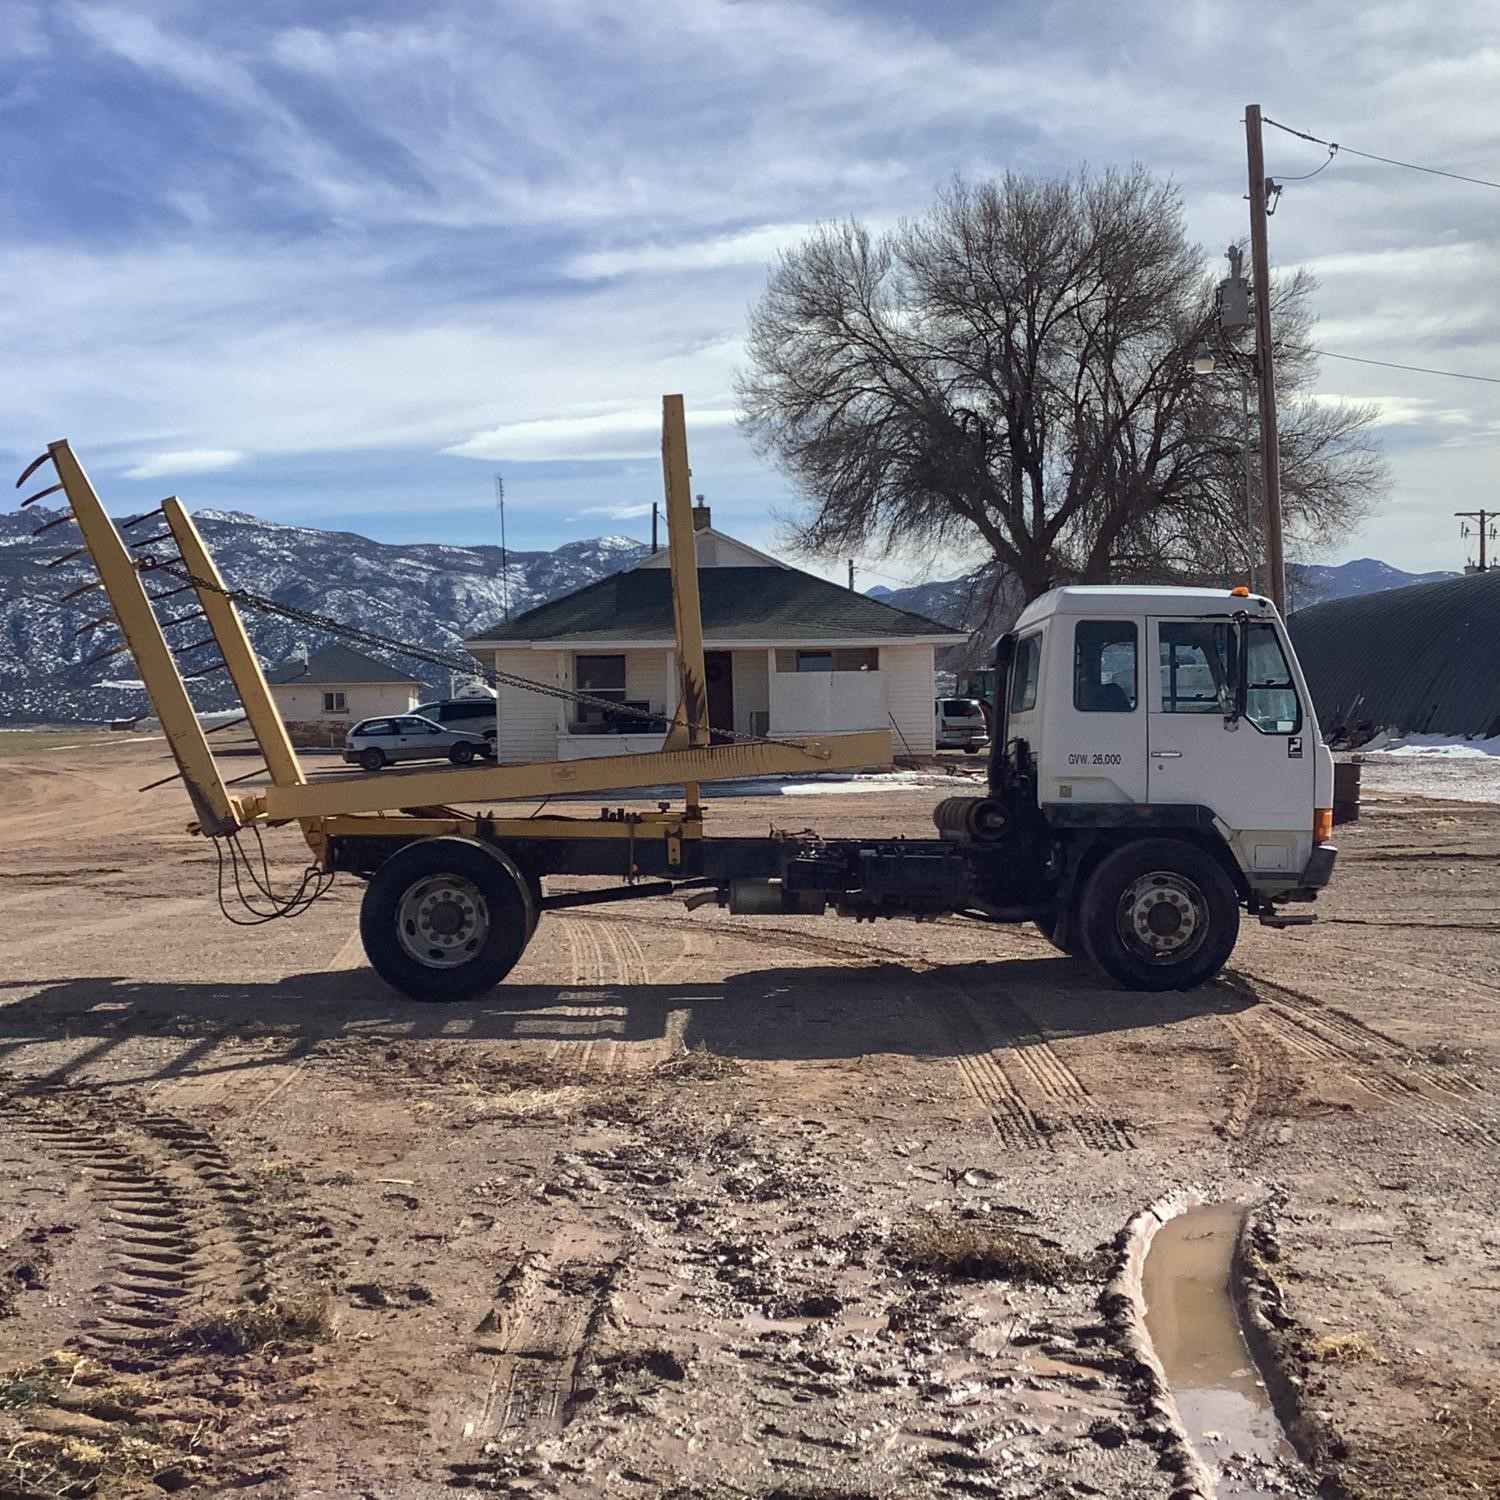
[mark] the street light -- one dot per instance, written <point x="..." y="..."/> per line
<point x="1203" y="359"/>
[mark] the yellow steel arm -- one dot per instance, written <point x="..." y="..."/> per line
<point x="690" y="725"/>
<point x="234" y="645"/>
<point x="327" y="796"/>
<point x="217" y="811"/>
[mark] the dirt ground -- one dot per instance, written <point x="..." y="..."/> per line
<point x="700" y="1205"/>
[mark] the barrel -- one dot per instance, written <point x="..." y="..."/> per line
<point x="1346" y="791"/>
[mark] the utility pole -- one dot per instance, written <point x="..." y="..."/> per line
<point x="1485" y="518"/>
<point x="851" y="575"/>
<point x="655" y="512"/>
<point x="1260" y="273"/>
<point x="504" y="559"/>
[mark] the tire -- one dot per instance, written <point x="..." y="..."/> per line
<point x="1051" y="929"/>
<point x="446" y="919"/>
<point x="372" y="759"/>
<point x="461" y="753"/>
<point x="971" y="749"/>
<point x="1159" y="914"/>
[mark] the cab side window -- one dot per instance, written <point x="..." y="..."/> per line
<point x="1104" y="667"/>
<point x="1197" y="667"/>
<point x="1024" y="673"/>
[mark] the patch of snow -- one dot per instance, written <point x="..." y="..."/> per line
<point x="1447" y="746"/>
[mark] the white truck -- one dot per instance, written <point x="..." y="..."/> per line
<point x="1155" y="768"/>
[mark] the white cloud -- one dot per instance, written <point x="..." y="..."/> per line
<point x="633" y="432"/>
<point x="184" y="461"/>
<point x="748" y="247"/>
<point x="618" y="512"/>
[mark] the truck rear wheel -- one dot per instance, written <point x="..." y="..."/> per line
<point x="446" y="919"/>
<point x="1159" y="915"/>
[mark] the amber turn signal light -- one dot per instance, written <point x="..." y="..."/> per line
<point x="1322" y="824"/>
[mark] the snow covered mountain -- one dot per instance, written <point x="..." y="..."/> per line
<point x="963" y="602"/>
<point x="427" y="593"/>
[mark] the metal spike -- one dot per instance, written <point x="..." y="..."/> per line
<point x="32" y="467"/>
<point x="167" y="593"/>
<point x="218" y="666"/>
<point x="48" y="525"/>
<point x="103" y="656"/>
<point x="177" y="775"/>
<point x="161" y="536"/>
<point x="51" y="489"/>
<point x="207" y="640"/>
<point x="107" y="618"/>
<point x="57" y="562"/>
<point x="151" y="786"/>
<point x="76" y="592"/>
<point x="231" y="724"/>
<point x="192" y="614"/>
<point x="145" y="515"/>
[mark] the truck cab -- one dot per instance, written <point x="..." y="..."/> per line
<point x="1167" y="727"/>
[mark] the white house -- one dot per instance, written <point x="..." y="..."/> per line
<point x="785" y="653"/>
<point x="322" y="695"/>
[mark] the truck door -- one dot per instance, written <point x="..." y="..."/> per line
<point x="1255" y="770"/>
<point x="1098" y="726"/>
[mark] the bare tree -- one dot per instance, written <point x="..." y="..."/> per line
<point x="1014" y="368"/>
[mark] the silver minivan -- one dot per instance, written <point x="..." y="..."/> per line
<point x="959" y="724"/>
<point x="374" y="743"/>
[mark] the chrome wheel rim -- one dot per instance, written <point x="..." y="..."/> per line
<point x="442" y="921"/>
<point x="1163" y="917"/>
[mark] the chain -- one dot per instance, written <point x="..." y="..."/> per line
<point x="451" y="660"/>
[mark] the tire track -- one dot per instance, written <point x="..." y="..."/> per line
<point x="1002" y="1053"/>
<point x="1386" y="1071"/>
<point x="539" y="1336"/>
<point x="187" y="1256"/>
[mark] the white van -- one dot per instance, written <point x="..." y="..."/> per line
<point x="959" y="724"/>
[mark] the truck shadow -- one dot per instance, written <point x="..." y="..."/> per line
<point x="126" y="1028"/>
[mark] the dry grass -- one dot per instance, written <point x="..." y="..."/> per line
<point x="1458" y="1455"/>
<point x="1342" y="1349"/>
<point x="247" y="1326"/>
<point x="976" y="1250"/>
<point x="698" y="1063"/>
<point x="25" y="741"/>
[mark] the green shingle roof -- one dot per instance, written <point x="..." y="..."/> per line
<point x="738" y="604"/>
<point x="336" y="664"/>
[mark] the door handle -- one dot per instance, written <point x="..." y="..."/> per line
<point x="1167" y="754"/>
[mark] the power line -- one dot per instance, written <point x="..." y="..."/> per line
<point x="1414" y="369"/>
<point x="1334" y="147"/>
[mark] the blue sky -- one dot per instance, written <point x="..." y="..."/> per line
<point x="341" y="261"/>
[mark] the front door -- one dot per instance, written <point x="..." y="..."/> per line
<point x="1255" y="772"/>
<point x="718" y="670"/>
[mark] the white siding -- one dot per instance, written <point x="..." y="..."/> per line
<point x="528" y="722"/>
<point x="827" y="702"/>
<point x="752" y="688"/>
<point x="646" y="678"/>
<point x="301" y="703"/>
<point x="908" y="671"/>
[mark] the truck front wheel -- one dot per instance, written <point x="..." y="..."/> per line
<point x="446" y="918"/>
<point x="1159" y="915"/>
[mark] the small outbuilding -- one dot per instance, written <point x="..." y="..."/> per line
<point x="785" y="653"/>
<point x="320" y="696"/>
<point x="1421" y="659"/>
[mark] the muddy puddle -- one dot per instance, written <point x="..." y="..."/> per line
<point x="1191" y="1318"/>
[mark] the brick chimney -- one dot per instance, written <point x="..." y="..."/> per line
<point x="702" y="516"/>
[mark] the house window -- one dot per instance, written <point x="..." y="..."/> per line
<point x="334" y="703"/>
<point x="600" y="676"/>
<point x="837" y="659"/>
